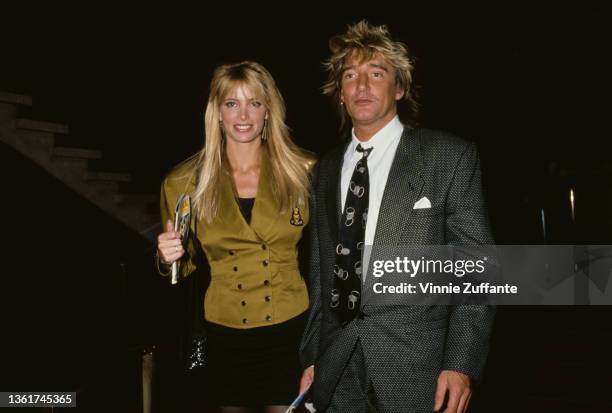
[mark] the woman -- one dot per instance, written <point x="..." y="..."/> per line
<point x="249" y="191"/>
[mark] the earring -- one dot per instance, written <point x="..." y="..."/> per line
<point x="264" y="135"/>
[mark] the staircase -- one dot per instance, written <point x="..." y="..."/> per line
<point x="36" y="140"/>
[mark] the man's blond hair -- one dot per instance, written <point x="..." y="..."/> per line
<point x="366" y="41"/>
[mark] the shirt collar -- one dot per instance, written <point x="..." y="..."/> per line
<point x="381" y="139"/>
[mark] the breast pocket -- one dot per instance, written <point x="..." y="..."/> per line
<point x="427" y="212"/>
<point x="425" y="226"/>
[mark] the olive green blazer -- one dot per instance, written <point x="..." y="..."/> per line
<point x="255" y="279"/>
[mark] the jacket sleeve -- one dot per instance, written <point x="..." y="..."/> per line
<point x="467" y="225"/>
<point x="169" y="194"/>
<point x="310" y="339"/>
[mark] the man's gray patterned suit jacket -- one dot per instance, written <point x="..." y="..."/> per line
<point x="405" y="347"/>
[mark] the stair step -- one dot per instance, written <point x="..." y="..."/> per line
<point x="71" y="167"/>
<point x="77" y="153"/>
<point x="15" y="98"/>
<point x="108" y="176"/>
<point x="37" y="125"/>
<point x="32" y="140"/>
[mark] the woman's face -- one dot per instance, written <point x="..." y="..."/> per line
<point x="242" y="115"/>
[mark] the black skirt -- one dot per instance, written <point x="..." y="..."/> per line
<point x="257" y="366"/>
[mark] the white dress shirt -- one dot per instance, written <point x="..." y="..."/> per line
<point x="385" y="143"/>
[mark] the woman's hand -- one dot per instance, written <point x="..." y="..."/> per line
<point x="169" y="245"/>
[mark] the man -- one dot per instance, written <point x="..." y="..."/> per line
<point x="402" y="186"/>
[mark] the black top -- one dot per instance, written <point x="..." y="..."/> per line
<point x="246" y="207"/>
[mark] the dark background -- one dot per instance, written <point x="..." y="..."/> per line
<point x="526" y="83"/>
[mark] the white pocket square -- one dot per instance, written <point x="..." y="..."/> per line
<point x="422" y="203"/>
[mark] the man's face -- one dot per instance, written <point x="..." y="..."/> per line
<point x="369" y="91"/>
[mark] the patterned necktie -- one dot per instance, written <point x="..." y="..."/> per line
<point x="346" y="295"/>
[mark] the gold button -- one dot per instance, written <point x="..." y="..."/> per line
<point x="268" y="298"/>
<point x="244" y="321"/>
<point x="266" y="282"/>
<point x="268" y="317"/>
<point x="265" y="263"/>
<point x="243" y="303"/>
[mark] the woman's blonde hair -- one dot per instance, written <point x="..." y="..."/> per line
<point x="367" y="40"/>
<point x="289" y="166"/>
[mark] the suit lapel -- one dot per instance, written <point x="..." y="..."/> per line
<point x="403" y="188"/>
<point x="332" y="192"/>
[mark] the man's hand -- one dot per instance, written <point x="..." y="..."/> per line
<point x="307" y="379"/>
<point x="459" y="391"/>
